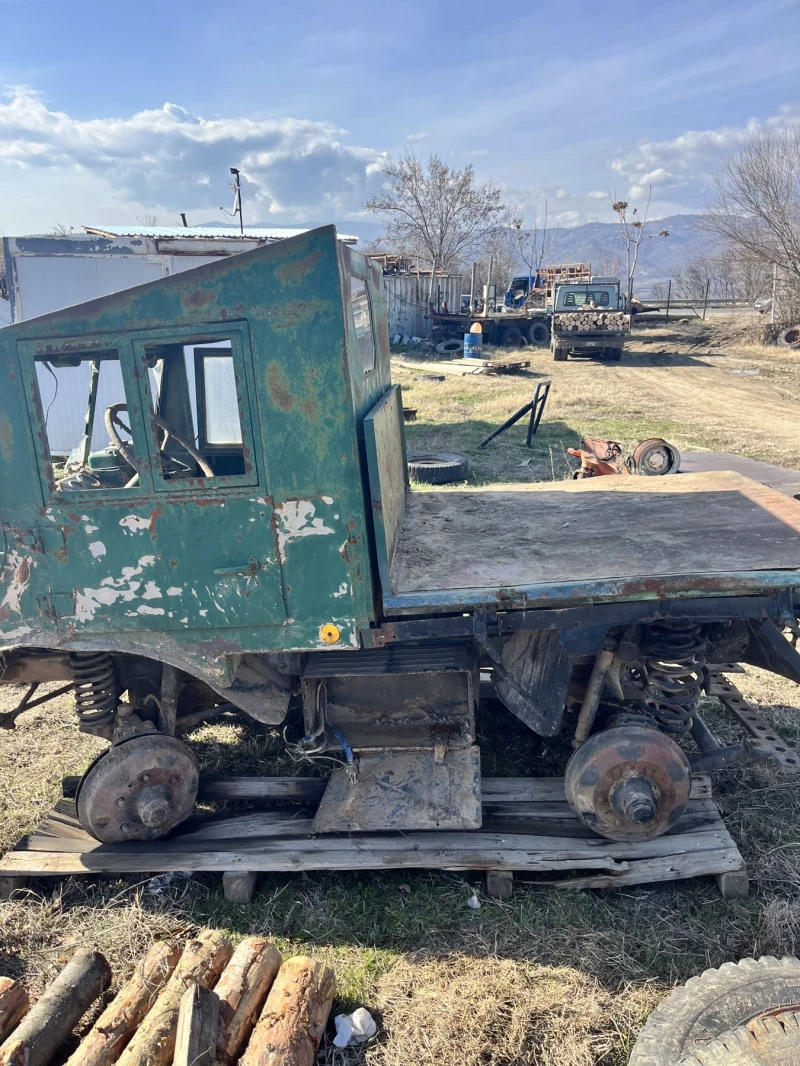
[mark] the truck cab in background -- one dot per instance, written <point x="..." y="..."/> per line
<point x="588" y="319"/>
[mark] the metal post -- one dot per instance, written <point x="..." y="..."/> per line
<point x="705" y="301"/>
<point x="774" y="293"/>
<point x="669" y="293"/>
<point x="472" y="290"/>
<point x="488" y="286"/>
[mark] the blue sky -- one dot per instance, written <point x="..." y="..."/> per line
<point x="111" y="110"/>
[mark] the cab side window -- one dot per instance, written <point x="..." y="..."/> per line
<point x="362" y="320"/>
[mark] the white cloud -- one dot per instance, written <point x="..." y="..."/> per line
<point x="417" y="136"/>
<point x="684" y="167"/>
<point x="169" y="159"/>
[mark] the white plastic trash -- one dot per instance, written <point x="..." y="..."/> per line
<point x="355" y="1028"/>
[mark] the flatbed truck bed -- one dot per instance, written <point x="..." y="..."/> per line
<point x="573" y="542"/>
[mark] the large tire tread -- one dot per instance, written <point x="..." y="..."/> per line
<point x="762" y="1042"/>
<point x="713" y="1003"/>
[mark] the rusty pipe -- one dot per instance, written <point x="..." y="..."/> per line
<point x="591" y="699"/>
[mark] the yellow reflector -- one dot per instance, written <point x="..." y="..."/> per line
<point x="330" y="633"/>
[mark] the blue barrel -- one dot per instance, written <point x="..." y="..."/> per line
<point x="473" y="345"/>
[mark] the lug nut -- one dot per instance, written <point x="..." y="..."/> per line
<point x="124" y="828"/>
<point x="145" y="777"/>
<point x="120" y="802"/>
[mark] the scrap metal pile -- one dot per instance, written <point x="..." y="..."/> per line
<point x="195" y="1005"/>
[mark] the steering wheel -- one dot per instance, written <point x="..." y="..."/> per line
<point x="113" y="421"/>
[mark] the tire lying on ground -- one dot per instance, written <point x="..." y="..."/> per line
<point x="770" y="1041"/>
<point x="438" y="469"/>
<point x="450" y="347"/>
<point x="790" y="338"/>
<point x="710" y="1005"/>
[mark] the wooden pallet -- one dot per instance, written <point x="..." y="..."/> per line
<point x="528" y="828"/>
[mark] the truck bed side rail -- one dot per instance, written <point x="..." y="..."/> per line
<point x="388" y="477"/>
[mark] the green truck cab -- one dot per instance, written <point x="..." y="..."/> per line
<point x="205" y="506"/>
<point x="588" y="319"/>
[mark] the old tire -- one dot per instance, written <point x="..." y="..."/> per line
<point x="539" y="334"/>
<point x="713" y="1003"/>
<point x="789" y="338"/>
<point x="439" y="469"/>
<point x="450" y="347"/>
<point x="771" y="1041"/>
<point x="560" y="355"/>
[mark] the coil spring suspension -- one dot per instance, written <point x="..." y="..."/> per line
<point x="95" y="687"/>
<point x="673" y="675"/>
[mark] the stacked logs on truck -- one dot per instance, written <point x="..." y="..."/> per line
<point x="200" y="1005"/>
<point x="589" y="320"/>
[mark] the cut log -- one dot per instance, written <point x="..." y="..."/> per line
<point x="242" y="990"/>
<point x="198" y="1019"/>
<point x="293" y="1020"/>
<point x="40" y="1034"/>
<point x="109" y="1035"/>
<point x="14" y="1005"/>
<point x="202" y="962"/>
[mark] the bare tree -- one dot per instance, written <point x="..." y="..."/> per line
<point x="756" y="209"/>
<point x="436" y="211"/>
<point x="147" y="220"/>
<point x="534" y="243"/>
<point x="60" y="230"/>
<point x="632" y="232"/>
<point x="725" y="278"/>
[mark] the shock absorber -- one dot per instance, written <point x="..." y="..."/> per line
<point x="673" y="675"/>
<point x="95" y="687"/>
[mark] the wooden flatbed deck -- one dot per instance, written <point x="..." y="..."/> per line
<point x="703" y="532"/>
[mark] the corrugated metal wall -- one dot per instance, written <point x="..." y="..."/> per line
<point x="407" y="301"/>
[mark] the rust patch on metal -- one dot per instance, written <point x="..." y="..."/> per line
<point x="278" y="389"/>
<point x="293" y="272"/>
<point x="199" y="298"/>
<point x="5" y="614"/>
<point x="154" y="518"/>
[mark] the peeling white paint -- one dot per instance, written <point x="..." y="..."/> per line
<point x="134" y="524"/>
<point x="174" y="590"/>
<point x="97" y="548"/>
<point x="344" y="589"/>
<point x="89" y="600"/>
<point x="84" y="518"/>
<point x="143" y="608"/>
<point x="184" y="621"/>
<point x="91" y="529"/>
<point x="152" y="592"/>
<point x="295" y="519"/>
<point x="327" y="499"/>
<point x="21" y="567"/>
<point x="203" y="612"/>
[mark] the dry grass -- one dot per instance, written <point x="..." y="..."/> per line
<point x="549" y="978"/>
<point x="499" y="1012"/>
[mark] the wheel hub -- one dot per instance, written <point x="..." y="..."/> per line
<point x="138" y="789"/>
<point x="628" y="783"/>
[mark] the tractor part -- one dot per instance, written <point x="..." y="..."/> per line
<point x="654" y="457"/>
<point x="437" y="469"/>
<point x="673" y="675"/>
<point x="769" y="1040"/>
<point x="598" y="457"/>
<point x="594" y="690"/>
<point x="628" y="783"/>
<point x="140" y="788"/>
<point x="711" y="1005"/>
<point x="27" y="703"/>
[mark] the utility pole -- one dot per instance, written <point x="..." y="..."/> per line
<point x="774" y="293"/>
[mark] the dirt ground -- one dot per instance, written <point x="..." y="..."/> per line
<point x="550" y="978"/>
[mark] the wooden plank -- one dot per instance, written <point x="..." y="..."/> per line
<point x="198" y="1019"/>
<point x="310" y="789"/>
<point x="655" y="870"/>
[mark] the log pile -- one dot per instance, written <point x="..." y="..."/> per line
<point x="202" y="1004"/>
<point x="589" y="320"/>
